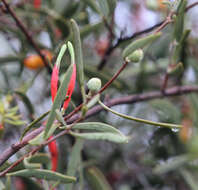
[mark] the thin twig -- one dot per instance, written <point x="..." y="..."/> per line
<point x="161" y="24"/>
<point x="27" y="34"/>
<point x="122" y="40"/>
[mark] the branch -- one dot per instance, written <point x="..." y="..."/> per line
<point x="159" y="25"/>
<point x="27" y="34"/>
<point x="174" y="91"/>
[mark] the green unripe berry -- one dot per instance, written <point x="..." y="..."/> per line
<point x="94" y="84"/>
<point x="136" y="56"/>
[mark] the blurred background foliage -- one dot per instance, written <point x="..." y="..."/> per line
<point x="154" y="158"/>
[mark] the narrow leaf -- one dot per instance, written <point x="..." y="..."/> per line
<point x="2" y="186"/>
<point x="40" y="138"/>
<point x="29" y="165"/>
<point x="104" y="7"/>
<point x="173" y="164"/>
<point x="74" y="160"/>
<point x="96" y="126"/>
<point x="79" y="56"/>
<point x="112" y="5"/>
<point x="87" y="29"/>
<point x="189" y="178"/>
<point x="93" y="5"/>
<point x="159" y="124"/>
<point x="140" y="43"/>
<point x="113" y="137"/>
<point x="26" y="101"/>
<point x="97" y="179"/>
<point x="31" y="125"/>
<point x="43" y="174"/>
<point x="179" y="23"/>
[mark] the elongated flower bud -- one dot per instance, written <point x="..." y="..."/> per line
<point x="54" y="154"/>
<point x="54" y="82"/>
<point x="71" y="87"/>
<point x="37" y="4"/>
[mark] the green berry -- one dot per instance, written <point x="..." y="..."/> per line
<point x="94" y="84"/>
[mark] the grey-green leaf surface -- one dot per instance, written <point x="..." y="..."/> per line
<point x="96" y="126"/>
<point x="26" y="101"/>
<point x="44" y="174"/>
<point x="140" y="43"/>
<point x="97" y="179"/>
<point x="112" y="137"/>
<point x="104" y="7"/>
<point x="93" y="5"/>
<point x="112" y="5"/>
<point x="74" y="160"/>
<point x="78" y="56"/>
<point x="179" y="23"/>
<point x="33" y="123"/>
<point x="40" y="138"/>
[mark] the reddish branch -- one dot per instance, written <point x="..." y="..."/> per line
<point x="75" y="117"/>
<point x="27" y="34"/>
<point x="174" y="91"/>
<point x="159" y="27"/>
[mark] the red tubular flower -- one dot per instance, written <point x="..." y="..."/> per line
<point x="37" y="4"/>
<point x="54" y="154"/>
<point x="70" y="88"/>
<point x="54" y="88"/>
<point x="54" y="85"/>
<point x="54" y="82"/>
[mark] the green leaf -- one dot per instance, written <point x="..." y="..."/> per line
<point x="58" y="100"/>
<point x="113" y="137"/>
<point x="26" y="101"/>
<point x="2" y="186"/>
<point x="40" y="158"/>
<point x="140" y="43"/>
<point x="93" y="5"/>
<point x="93" y="101"/>
<point x="29" y="165"/>
<point x="74" y="160"/>
<point x="179" y="23"/>
<point x="8" y="183"/>
<point x="43" y="174"/>
<point x="97" y="179"/>
<point x="173" y="164"/>
<point x="158" y="124"/>
<point x="79" y="57"/>
<point x="41" y="138"/>
<point x="104" y="7"/>
<point x="60" y="118"/>
<point x="33" y="123"/>
<point x="180" y="47"/>
<point x="189" y="178"/>
<point x="13" y="122"/>
<point x="87" y="29"/>
<point x="102" y="127"/>
<point x="112" y="5"/>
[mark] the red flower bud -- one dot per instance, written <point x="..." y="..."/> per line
<point x="37" y="4"/>
<point x="70" y="87"/>
<point x="54" y="153"/>
<point x="54" y="82"/>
